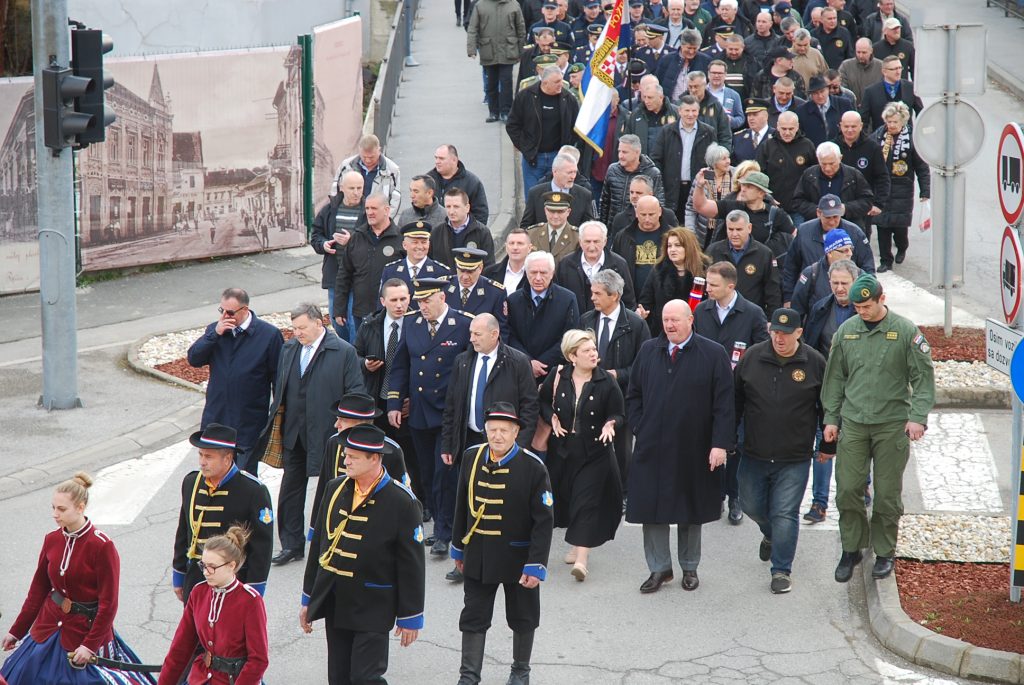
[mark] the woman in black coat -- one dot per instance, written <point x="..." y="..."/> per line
<point x="584" y="405"/>
<point x="680" y="260"/>
<point x="904" y="163"/>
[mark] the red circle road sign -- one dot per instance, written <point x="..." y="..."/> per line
<point x="1010" y="262"/>
<point x="1009" y="169"/>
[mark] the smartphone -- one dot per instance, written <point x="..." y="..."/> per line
<point x="709" y="175"/>
<point x="373" y="358"/>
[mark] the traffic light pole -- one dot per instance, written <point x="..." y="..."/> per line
<point x="56" y="207"/>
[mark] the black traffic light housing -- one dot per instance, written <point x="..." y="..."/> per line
<point x="87" y="49"/>
<point x="61" y="123"/>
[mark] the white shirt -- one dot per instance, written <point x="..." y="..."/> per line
<point x="724" y="311"/>
<point x="245" y="324"/>
<point x="387" y="330"/>
<point x="513" y="278"/>
<point x="591" y="269"/>
<point x="418" y="266"/>
<point x="614" y="320"/>
<point x="472" y="389"/>
<point x="759" y="135"/>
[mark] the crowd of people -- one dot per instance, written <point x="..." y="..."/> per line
<point x="685" y="326"/>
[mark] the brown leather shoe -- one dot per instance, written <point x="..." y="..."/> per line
<point x="655" y="581"/>
<point x="690" y="580"/>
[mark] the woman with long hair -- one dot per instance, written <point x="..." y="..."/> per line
<point x="680" y="260"/>
<point x="67" y="619"/>
<point x="224" y="619"/>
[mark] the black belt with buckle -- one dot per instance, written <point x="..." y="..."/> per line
<point x="68" y="606"/>
<point x="230" y="665"/>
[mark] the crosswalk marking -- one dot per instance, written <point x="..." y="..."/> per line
<point x="955" y="467"/>
<point x="123" y="490"/>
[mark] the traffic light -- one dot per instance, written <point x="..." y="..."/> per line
<point x="61" y="123"/>
<point x="87" y="49"/>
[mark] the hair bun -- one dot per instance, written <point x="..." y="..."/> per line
<point x="83" y="479"/>
<point x="239" y="535"/>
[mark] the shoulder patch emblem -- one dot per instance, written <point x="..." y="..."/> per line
<point x="799" y="376"/>
<point x="750" y="269"/>
<point x="546" y="499"/>
<point x="417" y="534"/>
<point x="266" y="515"/>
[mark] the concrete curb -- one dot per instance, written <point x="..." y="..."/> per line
<point x="1006" y="79"/>
<point x="972" y="398"/>
<point x="900" y="634"/>
<point x="140" y="368"/>
<point x="511" y="192"/>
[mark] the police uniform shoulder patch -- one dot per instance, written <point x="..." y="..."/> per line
<point x="417" y="534"/>
<point x="547" y="499"/>
<point x="799" y="375"/>
<point x="429" y="268"/>
<point x="465" y="314"/>
<point x="411" y="312"/>
<point x="266" y="515"/>
<point x="392" y="263"/>
<point x="480" y="291"/>
<point x="851" y="336"/>
<point x="493" y="282"/>
<point x="922" y="344"/>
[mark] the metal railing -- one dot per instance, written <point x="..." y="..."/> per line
<point x="1014" y="7"/>
<point x="397" y="55"/>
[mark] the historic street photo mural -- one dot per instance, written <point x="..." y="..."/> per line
<point x="19" y="244"/>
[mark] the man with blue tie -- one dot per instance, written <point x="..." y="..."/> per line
<point x="474" y="293"/>
<point x="431" y="340"/>
<point x="540" y="315"/>
<point x="415" y="263"/>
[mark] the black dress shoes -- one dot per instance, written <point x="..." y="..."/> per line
<point x="439" y="548"/>
<point x="429" y="541"/>
<point x="655" y="581"/>
<point x="454" y="576"/>
<point x="844" y="571"/>
<point x="735" y="513"/>
<point x="491" y="118"/>
<point x="764" y="550"/>
<point x="286" y="555"/>
<point x="883" y="567"/>
<point x="690" y="580"/>
<point x="900" y="256"/>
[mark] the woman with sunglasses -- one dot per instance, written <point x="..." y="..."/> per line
<point x="67" y="618"/>
<point x="224" y="618"/>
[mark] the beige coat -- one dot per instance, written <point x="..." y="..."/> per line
<point x="568" y="240"/>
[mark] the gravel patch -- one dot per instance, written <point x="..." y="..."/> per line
<point x="969" y="375"/>
<point x="951" y="537"/>
<point x="171" y="346"/>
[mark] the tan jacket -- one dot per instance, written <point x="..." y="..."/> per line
<point x="811" y="64"/>
<point x="568" y="240"/>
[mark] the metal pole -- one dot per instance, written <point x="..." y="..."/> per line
<point x="1017" y="445"/>
<point x="409" y="10"/>
<point x="55" y="200"/>
<point x="949" y="173"/>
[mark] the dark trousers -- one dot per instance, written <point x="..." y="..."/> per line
<point x="729" y="481"/>
<point x="623" y="454"/>
<point x="498" y="81"/>
<point x="291" y="501"/>
<point x="462" y="8"/>
<point x="245" y="460"/>
<point x="404" y="440"/>
<point x="355" y="658"/>
<point x="443" y="479"/>
<point x="522" y="606"/>
<point x="684" y="195"/>
<point x="887" y="235"/>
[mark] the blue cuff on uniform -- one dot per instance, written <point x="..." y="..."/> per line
<point x="259" y="587"/>
<point x="536" y="570"/>
<point x="177" y="578"/>
<point x="305" y="599"/>
<point x="455" y="553"/>
<point x="309" y="534"/>
<point x="411" y="622"/>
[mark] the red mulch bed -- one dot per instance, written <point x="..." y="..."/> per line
<point x="969" y="602"/>
<point x="180" y="368"/>
<point x="966" y="344"/>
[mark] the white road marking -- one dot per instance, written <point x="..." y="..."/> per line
<point x="955" y="467"/>
<point x="123" y="490"/>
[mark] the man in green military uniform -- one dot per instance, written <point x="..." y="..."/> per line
<point x="880" y="382"/>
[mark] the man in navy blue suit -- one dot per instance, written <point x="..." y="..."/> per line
<point x="472" y="292"/>
<point x="540" y="315"/>
<point x="415" y="263"/>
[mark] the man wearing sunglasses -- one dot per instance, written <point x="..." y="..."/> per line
<point x="242" y="352"/>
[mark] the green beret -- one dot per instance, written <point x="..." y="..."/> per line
<point x="576" y="68"/>
<point x="866" y="287"/>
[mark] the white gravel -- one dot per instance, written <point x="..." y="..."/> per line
<point x="170" y="346"/>
<point x="969" y="375"/>
<point x="953" y="537"/>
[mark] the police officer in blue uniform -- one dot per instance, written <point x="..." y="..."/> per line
<point x="584" y="23"/>
<point x="584" y="52"/>
<point x="431" y="340"/>
<point x="563" y="32"/>
<point x="415" y="263"/>
<point x="656" y="48"/>
<point x="473" y="293"/>
<point x="747" y="142"/>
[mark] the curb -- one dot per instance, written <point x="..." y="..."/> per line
<point x="511" y="192"/>
<point x="140" y="368"/>
<point x="902" y="635"/>
<point x="972" y="398"/>
<point x="1006" y="79"/>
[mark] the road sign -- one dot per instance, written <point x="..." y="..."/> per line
<point x="1009" y="169"/>
<point x="932" y="36"/>
<point x="1011" y="261"/>
<point x="1000" y="343"/>
<point x="930" y="133"/>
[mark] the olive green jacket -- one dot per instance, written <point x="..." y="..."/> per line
<point x="880" y="375"/>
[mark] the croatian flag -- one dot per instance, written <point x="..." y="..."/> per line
<point x="599" y="79"/>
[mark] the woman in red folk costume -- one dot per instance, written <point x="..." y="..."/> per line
<point x="71" y="605"/>
<point x="224" y="618"/>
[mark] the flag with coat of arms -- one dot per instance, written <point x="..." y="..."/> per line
<point x="598" y="83"/>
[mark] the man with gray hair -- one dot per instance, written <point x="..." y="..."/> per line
<point x="645" y="121"/>
<point x="672" y="69"/>
<point x="711" y="111"/>
<point x="831" y="177"/>
<point x="632" y="163"/>
<point x="728" y="15"/>
<point x="540" y="315"/>
<point x="576" y="272"/>
<point x="564" y="170"/>
<point x="315" y="370"/>
<point x="676" y="22"/>
<point x="757" y="277"/>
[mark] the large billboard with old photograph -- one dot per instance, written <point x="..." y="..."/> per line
<point x="19" y="245"/>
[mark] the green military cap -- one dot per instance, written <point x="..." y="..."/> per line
<point x="557" y="200"/>
<point x="576" y="68"/>
<point x="866" y="287"/>
<point x="545" y="59"/>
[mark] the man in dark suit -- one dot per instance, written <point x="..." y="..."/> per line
<point x="511" y="271"/>
<point x="473" y="293"/>
<point x="574" y="273"/>
<point x="563" y="180"/>
<point x="242" y="352"/>
<point x="538" y="317"/>
<point x="820" y="115"/>
<point x="316" y="368"/>
<point x="431" y="340"/>
<point x="747" y="143"/>
<point x="620" y="333"/>
<point x="892" y="88"/>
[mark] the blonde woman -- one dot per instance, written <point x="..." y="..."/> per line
<point x="67" y="619"/>
<point x="584" y="405"/>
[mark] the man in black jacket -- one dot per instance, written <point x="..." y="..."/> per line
<point x="678" y="173"/>
<point x="777" y="388"/>
<point x="757" y="277"/>
<point x="540" y="315"/>
<point x="639" y="243"/>
<point x="371" y="247"/>
<point x="511" y="271"/>
<point x="817" y="124"/>
<point x="864" y="154"/>
<point x="620" y="332"/>
<point x="831" y="177"/>
<point x="892" y="88"/>
<point x="459" y="231"/>
<point x="617" y="192"/>
<point x="728" y="318"/>
<point x="541" y="121"/>
<point x="574" y="273"/>
<point x="332" y="229"/>
<point x="563" y="179"/>
<point x="783" y="157"/>
<point x="449" y="172"/>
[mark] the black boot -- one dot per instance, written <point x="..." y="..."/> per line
<point x="522" y="648"/>
<point x="472" y="658"/>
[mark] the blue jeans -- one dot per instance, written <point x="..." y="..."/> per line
<point x="534" y="173"/>
<point x="770" y="494"/>
<point x="348" y="331"/>
<point x="821" y="476"/>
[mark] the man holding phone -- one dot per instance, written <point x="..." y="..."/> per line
<point x="332" y="229"/>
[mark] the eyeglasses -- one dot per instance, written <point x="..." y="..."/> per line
<point x="231" y="312"/>
<point x="210" y="568"/>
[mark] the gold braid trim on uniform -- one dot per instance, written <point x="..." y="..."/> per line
<point x="477" y="514"/>
<point x="196" y="524"/>
<point x="334" y="535"/>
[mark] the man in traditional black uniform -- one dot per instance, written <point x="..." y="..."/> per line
<point x="365" y="572"/>
<point x="214" y="498"/>
<point x="502" y="538"/>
